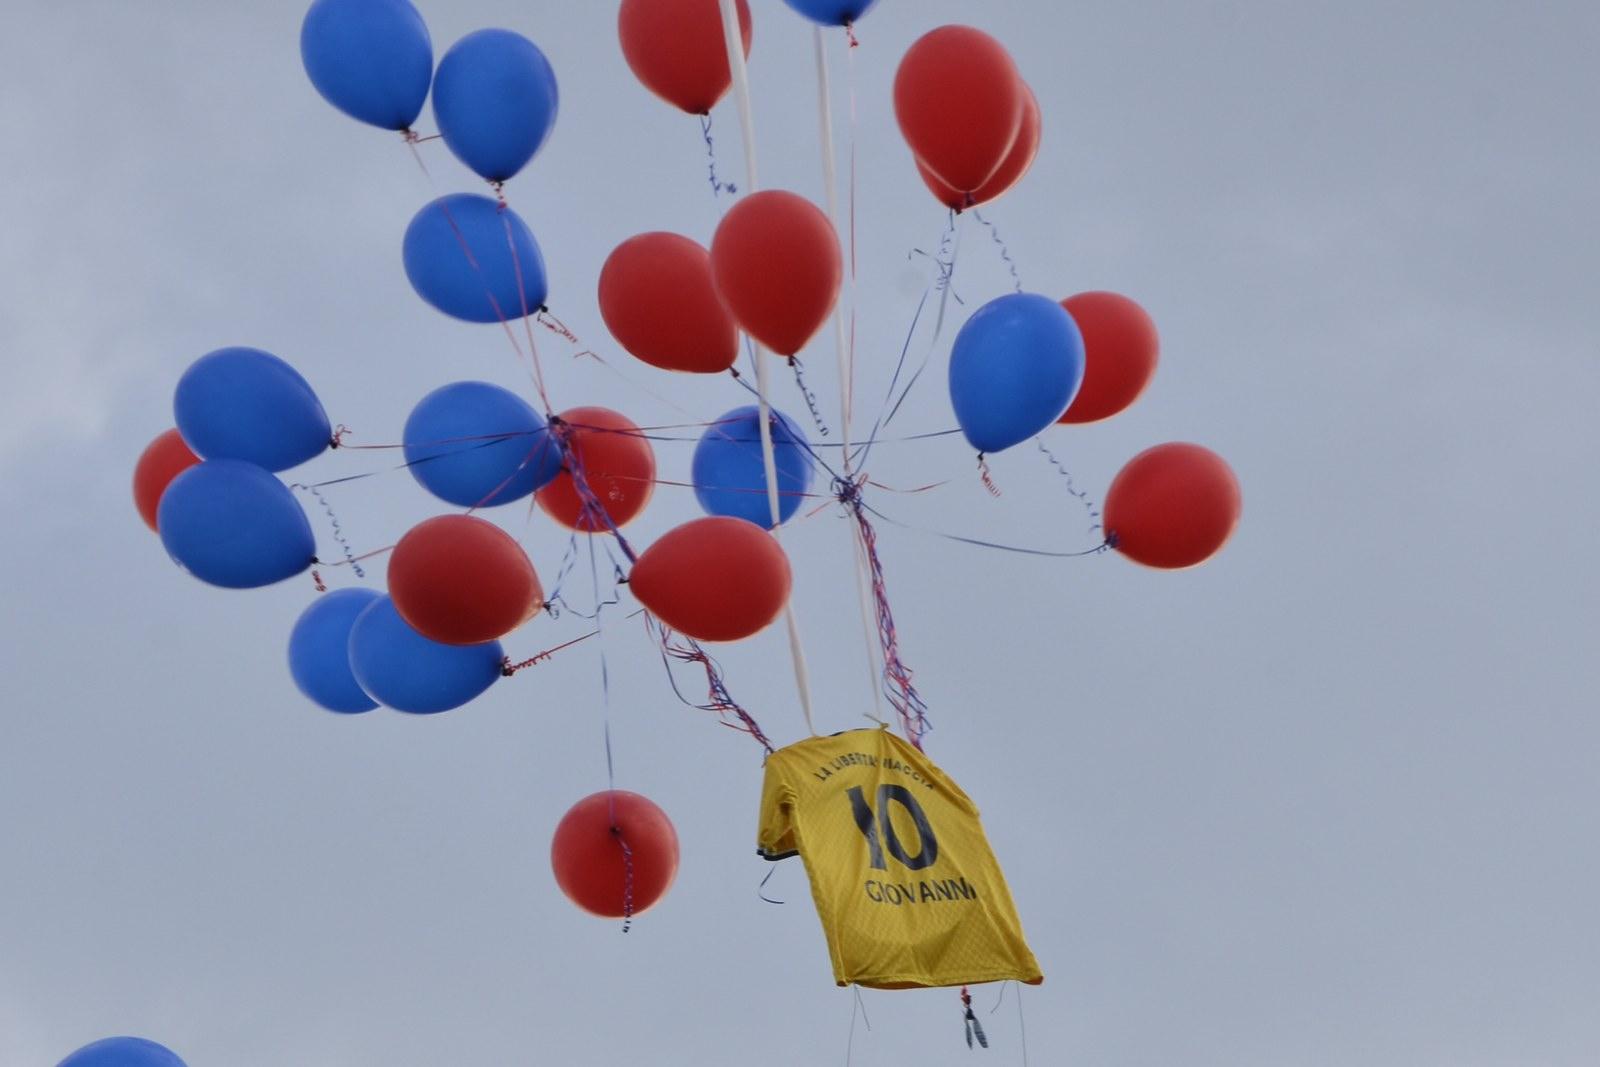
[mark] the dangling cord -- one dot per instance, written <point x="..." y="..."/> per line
<point x="611" y="771"/>
<point x="811" y="398"/>
<point x="1021" y="1022"/>
<point x="988" y="481"/>
<point x="718" y="186"/>
<point x="763" y="885"/>
<point x="351" y="560"/>
<point x="1072" y="488"/>
<point x="1005" y="253"/>
<point x="859" y="1007"/>
<point x="970" y="1020"/>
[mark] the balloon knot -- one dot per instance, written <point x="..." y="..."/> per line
<point x="340" y="432"/>
<point x="850" y="34"/>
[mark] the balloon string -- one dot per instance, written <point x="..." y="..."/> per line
<point x="1072" y="488"/>
<point x="627" y="874"/>
<point x="720" y="701"/>
<point x="611" y="768"/>
<point x="509" y="668"/>
<point x="986" y="477"/>
<point x="522" y="299"/>
<point x="545" y="318"/>
<point x="939" y="284"/>
<point x="717" y="185"/>
<point x="1021" y="1022"/>
<point x="591" y="514"/>
<point x="811" y="398"/>
<point x="896" y="683"/>
<point x="944" y="285"/>
<point x="850" y="80"/>
<point x="772" y="871"/>
<point x="532" y="362"/>
<point x="858" y="1007"/>
<point x="1005" y="253"/>
<point x="1109" y="543"/>
<point x="338" y="530"/>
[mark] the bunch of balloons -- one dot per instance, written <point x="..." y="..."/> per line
<point x="457" y="584"/>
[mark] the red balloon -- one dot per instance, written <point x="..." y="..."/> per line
<point x="618" y="465"/>
<point x="1120" y="349"/>
<point x="162" y="460"/>
<point x="1174" y="505"/>
<point x="714" y="579"/>
<point x="676" y="48"/>
<point x="659" y="302"/>
<point x="960" y="104"/>
<point x="462" y="580"/>
<point x="775" y="259"/>
<point x="1012" y="168"/>
<point x="595" y="871"/>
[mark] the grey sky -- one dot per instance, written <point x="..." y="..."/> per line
<point x="1328" y="800"/>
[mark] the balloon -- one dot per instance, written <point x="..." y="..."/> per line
<point x="495" y="101"/>
<point x="776" y="262"/>
<point x="659" y="302"/>
<point x="482" y="286"/>
<point x="460" y="580"/>
<point x="1120" y="348"/>
<point x="677" y="49"/>
<point x="730" y="477"/>
<point x="959" y="101"/>
<point x="123" y="1052"/>
<point x="319" y="651"/>
<point x="401" y="669"/>
<point x="1172" y="506"/>
<point x="1015" y="366"/>
<point x="715" y="579"/>
<point x="230" y="523"/>
<point x="477" y="445"/>
<point x="243" y="403"/>
<point x="1012" y="168"/>
<point x="371" y="59"/>
<point x="618" y="465"/>
<point x="589" y="862"/>
<point x="832" y="12"/>
<point x="162" y="460"/>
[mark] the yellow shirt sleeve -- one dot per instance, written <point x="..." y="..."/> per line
<point x="775" y="836"/>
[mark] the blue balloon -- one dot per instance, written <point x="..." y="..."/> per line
<point x="371" y="59"/>
<point x="477" y="445"/>
<point x="123" y="1052"/>
<point x="1016" y="365"/>
<point x="729" y="477"/>
<point x="481" y="287"/>
<point x="243" y="403"/>
<point x="319" y="651"/>
<point x="230" y="523"/>
<point x="495" y="100"/>
<point x="403" y="670"/>
<point x="832" y="12"/>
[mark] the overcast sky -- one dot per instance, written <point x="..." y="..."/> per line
<point x="1329" y="800"/>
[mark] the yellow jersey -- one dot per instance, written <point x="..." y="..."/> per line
<point x="906" y="885"/>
